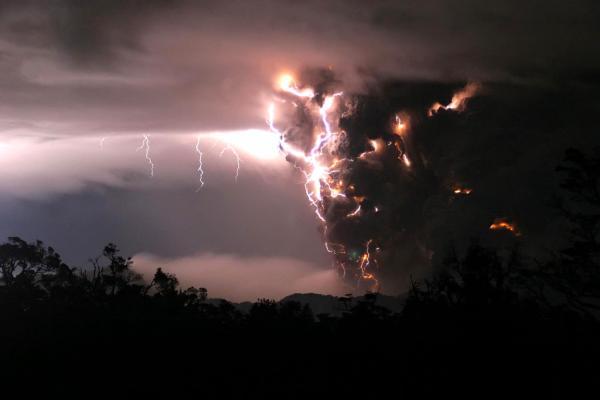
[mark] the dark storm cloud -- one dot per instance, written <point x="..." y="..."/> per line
<point x="181" y="65"/>
<point x="548" y="31"/>
<point x="503" y="144"/>
<point x="90" y="31"/>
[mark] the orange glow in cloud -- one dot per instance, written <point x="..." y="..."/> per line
<point x="286" y="83"/>
<point x="462" y="190"/>
<point x="503" y="224"/>
<point x="406" y="160"/>
<point x="458" y="101"/>
<point x="400" y="124"/>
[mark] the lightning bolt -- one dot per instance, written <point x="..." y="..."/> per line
<point x="320" y="169"/>
<point x="355" y="212"/>
<point x="406" y="160"/>
<point x="200" y="170"/>
<point x="102" y="140"/>
<point x="365" y="261"/>
<point x="318" y="173"/>
<point x="146" y="147"/>
<point x="287" y="84"/>
<point x="237" y="159"/>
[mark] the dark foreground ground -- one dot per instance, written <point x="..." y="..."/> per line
<point x="158" y="345"/>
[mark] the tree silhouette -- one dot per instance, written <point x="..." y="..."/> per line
<point x="25" y="263"/>
<point x="576" y="271"/>
<point x="117" y="275"/>
<point x="346" y="301"/>
<point x="164" y="283"/>
<point x="480" y="282"/>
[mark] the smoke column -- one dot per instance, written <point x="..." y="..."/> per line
<point x="368" y="179"/>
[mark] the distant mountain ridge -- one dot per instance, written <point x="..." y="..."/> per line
<point x="327" y="304"/>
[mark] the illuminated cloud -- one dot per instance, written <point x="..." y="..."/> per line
<point x="245" y="278"/>
<point x="32" y="166"/>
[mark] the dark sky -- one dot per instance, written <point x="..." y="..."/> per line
<point x="74" y="72"/>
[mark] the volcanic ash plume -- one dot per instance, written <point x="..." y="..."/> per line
<point x="367" y="182"/>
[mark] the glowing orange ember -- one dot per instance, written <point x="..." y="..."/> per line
<point x="458" y="101"/>
<point x="503" y="224"/>
<point x="399" y="125"/>
<point x="465" y="191"/>
<point x="374" y="144"/>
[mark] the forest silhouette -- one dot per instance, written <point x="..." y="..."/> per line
<point x="483" y="323"/>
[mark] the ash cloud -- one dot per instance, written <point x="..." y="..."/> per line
<point x="502" y="144"/>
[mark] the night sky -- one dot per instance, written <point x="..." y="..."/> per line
<point x="81" y="83"/>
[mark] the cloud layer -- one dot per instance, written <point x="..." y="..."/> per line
<point x="38" y="167"/>
<point x="69" y="67"/>
<point x="244" y="279"/>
